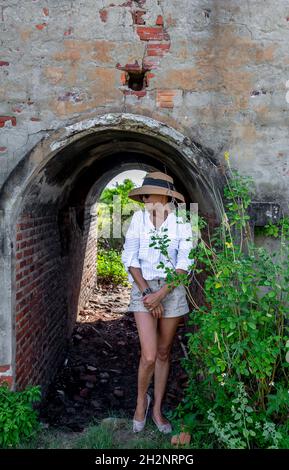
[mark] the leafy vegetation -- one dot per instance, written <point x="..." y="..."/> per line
<point x="237" y="356"/>
<point x="110" y="268"/>
<point x="18" y="419"/>
<point x="113" y="201"/>
<point x="237" y="349"/>
<point x="114" y="208"/>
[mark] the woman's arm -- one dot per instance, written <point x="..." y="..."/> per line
<point x="129" y="255"/>
<point x="151" y="301"/>
<point x="138" y="278"/>
<point x="130" y="252"/>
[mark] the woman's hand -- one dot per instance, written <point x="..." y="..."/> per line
<point x="158" y="311"/>
<point x="152" y="300"/>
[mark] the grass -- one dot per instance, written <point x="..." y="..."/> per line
<point x="112" y="433"/>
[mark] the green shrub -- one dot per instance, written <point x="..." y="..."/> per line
<point x="238" y="348"/>
<point x="244" y="425"/>
<point x="18" y="419"/>
<point x="110" y="267"/>
<point x="112" y="199"/>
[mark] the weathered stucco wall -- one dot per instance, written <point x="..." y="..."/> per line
<point x="215" y="70"/>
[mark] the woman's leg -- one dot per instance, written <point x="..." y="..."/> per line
<point x="147" y="331"/>
<point x="166" y="332"/>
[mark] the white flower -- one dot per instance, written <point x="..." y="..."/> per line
<point x="223" y="383"/>
<point x="272" y="384"/>
<point x="224" y="375"/>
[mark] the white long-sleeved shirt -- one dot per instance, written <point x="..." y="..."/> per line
<point x="137" y="252"/>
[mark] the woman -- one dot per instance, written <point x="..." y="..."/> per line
<point x="157" y="307"/>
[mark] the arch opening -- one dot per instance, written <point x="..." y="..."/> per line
<point x="52" y="223"/>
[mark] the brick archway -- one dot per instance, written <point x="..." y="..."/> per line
<point x="49" y="227"/>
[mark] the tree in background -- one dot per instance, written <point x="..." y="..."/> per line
<point x="105" y="212"/>
<point x="109" y="264"/>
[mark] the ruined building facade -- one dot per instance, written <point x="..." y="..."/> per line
<point x="91" y="88"/>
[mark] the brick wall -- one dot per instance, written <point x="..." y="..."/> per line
<point x="6" y="375"/>
<point x="41" y="313"/>
<point x="90" y="258"/>
<point x="80" y="262"/>
<point x="55" y="272"/>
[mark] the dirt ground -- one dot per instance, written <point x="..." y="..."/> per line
<point x="99" y="376"/>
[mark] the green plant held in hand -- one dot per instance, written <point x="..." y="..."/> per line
<point x="18" y="419"/>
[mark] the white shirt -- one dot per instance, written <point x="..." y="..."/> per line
<point x="137" y="252"/>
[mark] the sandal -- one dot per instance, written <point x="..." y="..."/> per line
<point x="164" y="428"/>
<point x="139" y="425"/>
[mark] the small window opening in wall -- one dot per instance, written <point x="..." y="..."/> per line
<point x="136" y="80"/>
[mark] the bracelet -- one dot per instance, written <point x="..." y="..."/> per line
<point x="146" y="291"/>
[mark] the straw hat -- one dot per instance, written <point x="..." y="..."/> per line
<point x="156" y="183"/>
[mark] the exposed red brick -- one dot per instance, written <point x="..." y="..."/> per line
<point x="160" y="20"/>
<point x="35" y="119"/>
<point x="4" y="368"/>
<point x="25" y="225"/>
<point x="19" y="295"/>
<point x="150" y="64"/>
<point x="165" y="98"/>
<point x="16" y="109"/>
<point x="28" y="252"/>
<point x="138" y="93"/>
<point x="3" y="149"/>
<point x="3" y="63"/>
<point x="68" y="32"/>
<point x="168" y="104"/>
<point x="185" y="438"/>
<point x="129" y="67"/>
<point x="149" y="75"/>
<point x="46" y="11"/>
<point x="181" y="439"/>
<point x="123" y="78"/>
<point x="103" y="13"/>
<point x="4" y="119"/>
<point x="20" y="316"/>
<point x="152" y="33"/>
<point x="137" y="17"/>
<point x="41" y="316"/>
<point x="41" y="26"/>
<point x="158" y="49"/>
<point x="6" y="379"/>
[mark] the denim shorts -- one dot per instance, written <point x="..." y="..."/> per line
<point x="175" y="303"/>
